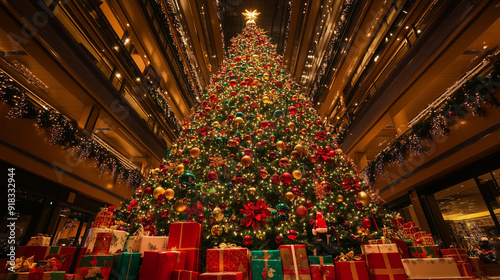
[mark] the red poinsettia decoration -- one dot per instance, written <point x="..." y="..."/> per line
<point x="198" y="209"/>
<point x="255" y="214"/>
<point x="351" y="184"/>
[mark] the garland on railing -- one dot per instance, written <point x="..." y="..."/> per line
<point x="65" y="132"/>
<point x="333" y="46"/>
<point x="194" y="85"/>
<point x="471" y="97"/>
<point x="220" y="10"/>
<point x="167" y="111"/>
<point x="287" y="28"/>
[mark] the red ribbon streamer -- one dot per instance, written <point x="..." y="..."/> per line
<point x="373" y="218"/>
<point x="334" y="230"/>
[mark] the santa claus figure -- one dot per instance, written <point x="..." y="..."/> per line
<point x="321" y="230"/>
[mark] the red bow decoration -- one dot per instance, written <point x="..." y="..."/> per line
<point x="320" y="135"/>
<point x="351" y="184"/>
<point x="255" y="214"/>
<point x="131" y="205"/>
<point x="110" y="211"/>
<point x="192" y="210"/>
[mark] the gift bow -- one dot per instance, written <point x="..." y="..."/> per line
<point x="227" y="246"/>
<point x="349" y="257"/>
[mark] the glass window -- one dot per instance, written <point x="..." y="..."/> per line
<point x="468" y="219"/>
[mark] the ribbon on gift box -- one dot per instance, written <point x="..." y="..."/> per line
<point x="388" y="269"/>
<point x="265" y="272"/>
<point x="349" y="257"/>
<point x="129" y="265"/>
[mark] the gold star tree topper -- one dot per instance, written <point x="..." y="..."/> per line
<point x="250" y="16"/>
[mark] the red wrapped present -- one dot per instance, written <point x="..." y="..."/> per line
<point x="295" y="263"/>
<point x="222" y="276"/>
<point x="69" y="277"/>
<point x="419" y="234"/>
<point x="158" y="265"/>
<point x="41" y="252"/>
<point x="102" y="243"/>
<point x="428" y="240"/>
<point x="402" y="247"/>
<point x="185" y="275"/>
<point x="459" y="254"/>
<point x="385" y="266"/>
<point x="478" y="267"/>
<point x="465" y="269"/>
<point x="351" y="270"/>
<point x="64" y="259"/>
<point x="383" y="240"/>
<point x="231" y="259"/>
<point x="323" y="272"/>
<point x="186" y="237"/>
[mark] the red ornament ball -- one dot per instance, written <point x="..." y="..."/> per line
<point x="366" y="223"/>
<point x="185" y="162"/>
<point x="148" y="190"/>
<point x="278" y="239"/>
<point x="302" y="211"/>
<point x="292" y="110"/>
<point x="292" y="234"/>
<point x="286" y="178"/>
<point x="212" y="176"/>
<point x="309" y="205"/>
<point x="331" y="208"/>
<point x="201" y="217"/>
<point x="247" y="240"/>
<point x="233" y="83"/>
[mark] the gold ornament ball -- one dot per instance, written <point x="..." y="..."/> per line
<point x="180" y="206"/>
<point x="265" y="76"/>
<point x="217" y="214"/>
<point x="174" y="147"/>
<point x="157" y="191"/>
<point x="340" y="198"/>
<point x="339" y="151"/>
<point x="290" y="196"/>
<point x="215" y="124"/>
<point x="169" y="194"/>
<point x="195" y="152"/>
<point x="246" y="161"/>
<point x="299" y="148"/>
<point x="364" y="198"/>
<point x="252" y="190"/>
<point x="297" y="174"/>
<point x="280" y="145"/>
<point x="291" y="125"/>
<point x="265" y="99"/>
<point x="238" y="120"/>
<point x="179" y="168"/>
<point x="216" y="230"/>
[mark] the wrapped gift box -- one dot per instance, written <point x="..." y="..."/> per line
<point x="428" y="240"/>
<point x="269" y="269"/>
<point x="320" y="260"/>
<point x="126" y="266"/>
<point x="41" y="252"/>
<point x="39" y="241"/>
<point x="102" y="243"/>
<point x="419" y="234"/>
<point x="118" y="241"/>
<point x="478" y="267"/>
<point x="94" y="267"/>
<point x="265" y="254"/>
<point x="385" y="266"/>
<point x="443" y="278"/>
<point x="402" y="247"/>
<point x="379" y="248"/>
<point x="351" y="270"/>
<point x="104" y="218"/>
<point x="379" y="241"/>
<point x="185" y="275"/>
<point x="53" y="275"/>
<point x="294" y="261"/>
<point x="64" y="259"/>
<point x="424" y="252"/>
<point x="465" y="269"/>
<point x="459" y="254"/>
<point x="69" y="277"/>
<point x="231" y="259"/>
<point x="186" y="237"/>
<point x="322" y="272"/>
<point x="160" y="265"/>
<point x="221" y="276"/>
<point x="431" y="267"/>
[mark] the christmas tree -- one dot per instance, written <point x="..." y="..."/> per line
<point x="256" y="166"/>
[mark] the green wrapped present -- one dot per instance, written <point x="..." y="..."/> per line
<point x="126" y="266"/>
<point x="320" y="260"/>
<point x="424" y="251"/>
<point x="52" y="275"/>
<point x="265" y="255"/>
<point x="269" y="269"/>
<point x="94" y="267"/>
